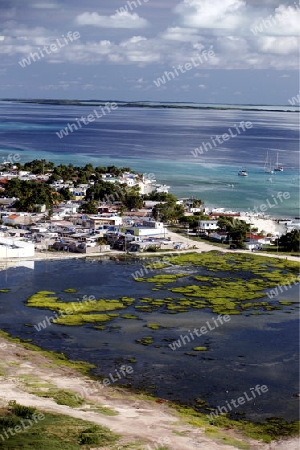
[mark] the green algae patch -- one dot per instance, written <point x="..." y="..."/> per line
<point x="82" y="319"/>
<point x="70" y="290"/>
<point x="157" y="265"/>
<point x="127" y="300"/>
<point x="232" y="295"/>
<point x="147" y="340"/>
<point x="129" y="316"/>
<point x="167" y="278"/>
<point x="200" y="349"/>
<point x="4" y="291"/>
<point x="153" y="326"/>
<point x="77" y="313"/>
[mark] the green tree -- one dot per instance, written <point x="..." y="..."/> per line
<point x="236" y="229"/>
<point x="65" y="194"/>
<point x="89" y="207"/>
<point x="168" y="211"/>
<point x="133" y="201"/>
<point x="290" y="242"/>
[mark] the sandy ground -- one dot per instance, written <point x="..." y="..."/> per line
<point x="138" y="419"/>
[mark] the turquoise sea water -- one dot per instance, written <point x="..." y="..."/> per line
<point x="161" y="141"/>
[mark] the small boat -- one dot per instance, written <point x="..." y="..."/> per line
<point x="243" y="173"/>
<point x="278" y="168"/>
<point x="267" y="168"/>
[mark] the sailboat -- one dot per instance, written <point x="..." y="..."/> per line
<point x="267" y="168"/>
<point x="278" y="168"/>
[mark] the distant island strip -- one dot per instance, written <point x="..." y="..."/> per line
<point x="148" y="104"/>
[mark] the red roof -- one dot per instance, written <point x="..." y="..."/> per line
<point x="225" y="215"/>
<point x="13" y="216"/>
<point x="254" y="236"/>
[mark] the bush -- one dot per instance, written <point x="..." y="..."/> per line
<point x="97" y="435"/>
<point x="26" y="412"/>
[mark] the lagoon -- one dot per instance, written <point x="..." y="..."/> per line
<point x="249" y="349"/>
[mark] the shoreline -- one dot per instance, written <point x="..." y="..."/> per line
<point x="191" y="246"/>
<point x="22" y="364"/>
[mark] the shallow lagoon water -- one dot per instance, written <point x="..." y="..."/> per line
<point x="248" y="350"/>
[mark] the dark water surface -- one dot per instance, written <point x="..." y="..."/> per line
<point x="248" y="350"/>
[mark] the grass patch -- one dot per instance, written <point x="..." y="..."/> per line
<point x="271" y="429"/>
<point x="62" y="397"/>
<point x="52" y="432"/>
<point x="105" y="410"/>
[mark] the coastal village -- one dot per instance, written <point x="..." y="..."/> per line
<point x="69" y="226"/>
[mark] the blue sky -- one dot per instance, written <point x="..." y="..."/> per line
<point x="219" y="51"/>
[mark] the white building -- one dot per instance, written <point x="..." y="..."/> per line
<point x="208" y="225"/>
<point x="12" y="248"/>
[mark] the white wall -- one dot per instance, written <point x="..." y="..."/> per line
<point x="23" y="250"/>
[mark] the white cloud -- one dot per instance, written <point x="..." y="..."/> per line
<point x="284" y="21"/>
<point x="180" y="34"/>
<point x="124" y="20"/>
<point x="229" y="14"/>
<point x="278" y="45"/>
<point x="240" y="17"/>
